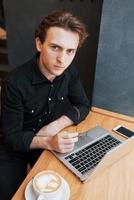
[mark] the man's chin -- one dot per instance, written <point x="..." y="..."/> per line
<point x="58" y="73"/>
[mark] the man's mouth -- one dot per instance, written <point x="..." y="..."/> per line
<point x="58" y="67"/>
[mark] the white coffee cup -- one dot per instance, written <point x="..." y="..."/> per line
<point x="47" y="185"/>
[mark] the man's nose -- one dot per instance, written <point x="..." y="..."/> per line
<point x="61" y="57"/>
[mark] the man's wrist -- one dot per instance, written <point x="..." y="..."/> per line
<point x="39" y="142"/>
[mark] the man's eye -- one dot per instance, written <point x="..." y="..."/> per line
<point x="55" y="48"/>
<point x="71" y="51"/>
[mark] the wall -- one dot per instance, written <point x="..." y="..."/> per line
<point x="114" y="77"/>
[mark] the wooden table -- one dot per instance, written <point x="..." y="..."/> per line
<point x="115" y="183"/>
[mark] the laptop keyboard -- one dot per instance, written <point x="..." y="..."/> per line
<point x="87" y="158"/>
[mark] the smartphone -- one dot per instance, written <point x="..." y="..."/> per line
<point x="123" y="131"/>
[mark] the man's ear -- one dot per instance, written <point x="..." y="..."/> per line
<point x="38" y="44"/>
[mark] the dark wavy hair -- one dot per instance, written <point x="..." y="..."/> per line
<point x="62" y="19"/>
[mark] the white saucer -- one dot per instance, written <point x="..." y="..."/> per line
<point x="29" y="193"/>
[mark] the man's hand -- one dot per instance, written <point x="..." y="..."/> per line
<point x="62" y="142"/>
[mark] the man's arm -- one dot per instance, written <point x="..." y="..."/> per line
<point x="62" y="142"/>
<point x="55" y="127"/>
<point x="52" y="137"/>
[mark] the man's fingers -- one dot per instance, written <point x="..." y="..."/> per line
<point x="69" y="140"/>
<point x="67" y="148"/>
<point x="67" y="135"/>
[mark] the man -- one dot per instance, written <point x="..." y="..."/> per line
<point x="41" y="98"/>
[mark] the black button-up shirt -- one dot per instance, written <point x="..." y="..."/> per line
<point x="30" y="101"/>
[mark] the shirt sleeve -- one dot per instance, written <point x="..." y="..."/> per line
<point x="80" y="103"/>
<point x="12" y="119"/>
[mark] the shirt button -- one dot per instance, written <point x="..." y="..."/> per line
<point x="52" y="85"/>
<point x="49" y="99"/>
<point x="62" y="98"/>
<point x="40" y="120"/>
<point x="49" y="112"/>
<point x="32" y="111"/>
<point x="45" y="113"/>
<point x="34" y="129"/>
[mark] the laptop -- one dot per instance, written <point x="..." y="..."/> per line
<point x="95" y="151"/>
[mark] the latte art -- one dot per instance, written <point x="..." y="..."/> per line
<point x="47" y="182"/>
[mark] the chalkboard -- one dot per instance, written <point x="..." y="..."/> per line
<point x="114" y="77"/>
<point x="23" y="16"/>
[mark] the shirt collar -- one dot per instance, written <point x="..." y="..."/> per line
<point x="38" y="77"/>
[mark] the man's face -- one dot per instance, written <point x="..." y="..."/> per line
<point x="57" y="51"/>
